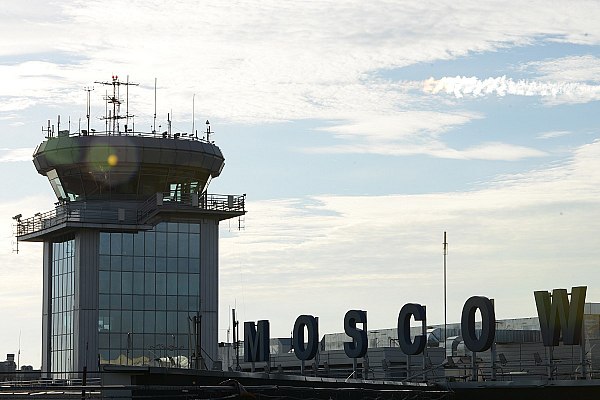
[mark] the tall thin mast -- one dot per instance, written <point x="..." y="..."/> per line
<point x="127" y="105"/>
<point x="88" y="90"/>
<point x="154" y="123"/>
<point x="445" y="308"/>
<point x="193" y="113"/>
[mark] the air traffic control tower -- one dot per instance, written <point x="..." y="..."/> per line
<point x="130" y="256"/>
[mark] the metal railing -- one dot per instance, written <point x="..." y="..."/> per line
<point x="155" y="134"/>
<point x="207" y="202"/>
<point x="104" y="213"/>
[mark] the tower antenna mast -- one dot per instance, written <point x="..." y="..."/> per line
<point x="115" y="100"/>
<point x="88" y="90"/>
<point x="154" y="123"/>
<point x="193" y="113"/>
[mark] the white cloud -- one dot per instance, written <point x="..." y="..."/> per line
<point x="553" y="134"/>
<point x="11" y="155"/>
<point x="416" y="133"/>
<point x="499" y="151"/>
<point x="269" y="61"/>
<point x="567" y="69"/>
<point x="558" y="92"/>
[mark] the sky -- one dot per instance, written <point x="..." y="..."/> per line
<point x="360" y="133"/>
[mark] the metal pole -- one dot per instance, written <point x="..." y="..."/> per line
<point x="154" y="123"/>
<point x="235" y="341"/>
<point x="493" y="354"/>
<point x="424" y="333"/>
<point x="445" y="306"/>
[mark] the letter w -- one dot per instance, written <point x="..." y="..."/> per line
<point x="558" y="314"/>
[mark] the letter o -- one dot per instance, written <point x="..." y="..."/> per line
<point x="408" y="347"/>
<point x="488" y="323"/>
<point x="310" y="351"/>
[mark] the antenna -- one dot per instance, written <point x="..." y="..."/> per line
<point x="116" y="102"/>
<point x="445" y="308"/>
<point x="193" y="113"/>
<point x="106" y="111"/>
<point x="88" y="107"/>
<point x="169" y="123"/>
<point x="154" y="124"/>
<point x="208" y="132"/>
<point x="19" y="353"/>
<point x="127" y="105"/>
<point x="236" y="340"/>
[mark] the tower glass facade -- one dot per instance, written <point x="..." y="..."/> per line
<point x="63" y="296"/>
<point x="149" y="288"/>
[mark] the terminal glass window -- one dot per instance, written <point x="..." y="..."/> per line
<point x="149" y="288"/>
<point x="63" y="283"/>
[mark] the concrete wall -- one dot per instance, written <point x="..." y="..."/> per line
<point x="85" y="307"/>
<point x="209" y="289"/>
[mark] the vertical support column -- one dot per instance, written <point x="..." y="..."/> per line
<point x="47" y="311"/>
<point x="209" y="288"/>
<point x="85" y="307"/>
<point x="493" y="349"/>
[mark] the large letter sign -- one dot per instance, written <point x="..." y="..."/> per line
<point x="407" y="311"/>
<point x="310" y="351"/>
<point x="558" y="314"/>
<point x="256" y="341"/>
<point x="358" y="346"/>
<point x="488" y="323"/>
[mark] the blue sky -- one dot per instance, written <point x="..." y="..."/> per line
<point x="359" y="132"/>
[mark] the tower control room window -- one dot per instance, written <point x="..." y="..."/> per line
<point x="149" y="288"/>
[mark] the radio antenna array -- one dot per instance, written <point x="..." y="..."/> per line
<point x="115" y="100"/>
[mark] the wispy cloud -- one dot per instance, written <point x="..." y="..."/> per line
<point x="553" y="134"/>
<point x="559" y="92"/>
<point x="567" y="69"/>
<point x="269" y="61"/>
<point x="11" y="155"/>
<point x="416" y="133"/>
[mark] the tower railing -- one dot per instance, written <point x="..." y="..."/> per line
<point x="205" y="201"/>
<point x="134" y="214"/>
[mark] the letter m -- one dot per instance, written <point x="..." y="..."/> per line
<point x="256" y="341"/>
<point x="556" y="314"/>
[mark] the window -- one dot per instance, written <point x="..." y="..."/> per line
<point x="149" y="286"/>
<point x="62" y="299"/>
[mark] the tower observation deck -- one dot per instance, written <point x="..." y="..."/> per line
<point x="131" y="247"/>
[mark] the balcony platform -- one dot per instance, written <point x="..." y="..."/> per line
<point x="127" y="216"/>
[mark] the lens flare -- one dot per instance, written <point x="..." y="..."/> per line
<point x="112" y="160"/>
